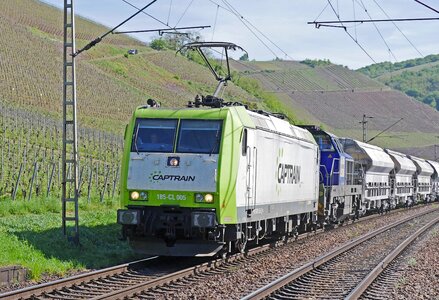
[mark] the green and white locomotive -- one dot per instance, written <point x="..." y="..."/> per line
<point x="213" y="177"/>
<point x="197" y="181"/>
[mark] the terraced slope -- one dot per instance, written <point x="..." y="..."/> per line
<point x="337" y="98"/>
<point x="110" y="85"/>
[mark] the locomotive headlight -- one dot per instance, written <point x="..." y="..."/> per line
<point x="135" y="195"/>
<point x="199" y="198"/>
<point x="173" y="162"/>
<point x="208" y="198"/>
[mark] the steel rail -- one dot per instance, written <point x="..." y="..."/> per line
<point x="295" y="274"/>
<point x="78" y="279"/>
<point x="369" y="279"/>
<point x="135" y="289"/>
<point x="39" y="289"/>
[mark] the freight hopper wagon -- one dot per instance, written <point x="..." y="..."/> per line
<point x="435" y="180"/>
<point x="422" y="179"/>
<point x="401" y="179"/>
<point x="340" y="185"/>
<point x="202" y="181"/>
<point x="375" y="167"/>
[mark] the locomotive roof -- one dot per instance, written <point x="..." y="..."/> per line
<point x="240" y="116"/>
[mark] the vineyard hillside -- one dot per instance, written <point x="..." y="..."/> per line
<point x="336" y="97"/>
<point x="111" y="83"/>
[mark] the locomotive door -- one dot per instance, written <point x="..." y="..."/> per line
<point x="251" y="172"/>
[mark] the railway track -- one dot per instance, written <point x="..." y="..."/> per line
<point x="100" y="282"/>
<point x="145" y="279"/>
<point x="164" y="287"/>
<point x="348" y="271"/>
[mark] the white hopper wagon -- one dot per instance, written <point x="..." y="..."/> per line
<point x="376" y="167"/>
<point x="401" y="178"/>
<point x="422" y="179"/>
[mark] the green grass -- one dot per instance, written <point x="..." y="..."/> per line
<point x="31" y="236"/>
<point x="23" y="207"/>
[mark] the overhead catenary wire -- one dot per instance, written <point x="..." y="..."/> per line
<point x="145" y="13"/>
<point x="350" y="35"/>
<point x="233" y="11"/>
<point x="429" y="7"/>
<point x="162" y="30"/>
<point x="399" y="29"/>
<point x="246" y="25"/>
<point x="242" y="18"/>
<point x="246" y="65"/>
<point x="169" y="12"/>
<point x="322" y="11"/>
<point x="214" y="23"/>
<point x="184" y="13"/>
<point x="377" y="29"/>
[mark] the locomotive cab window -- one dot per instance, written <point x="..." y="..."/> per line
<point x="324" y="142"/>
<point x="152" y="135"/>
<point x="199" y="136"/>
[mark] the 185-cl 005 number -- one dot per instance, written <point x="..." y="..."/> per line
<point x="173" y="197"/>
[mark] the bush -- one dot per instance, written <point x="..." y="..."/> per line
<point x="158" y="44"/>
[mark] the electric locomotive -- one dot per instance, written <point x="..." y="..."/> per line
<point x="197" y="180"/>
<point x="214" y="177"/>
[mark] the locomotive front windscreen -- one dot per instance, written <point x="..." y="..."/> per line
<point x="154" y="135"/>
<point x="160" y="135"/>
<point x="199" y="136"/>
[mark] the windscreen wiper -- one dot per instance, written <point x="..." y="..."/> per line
<point x="135" y="138"/>
<point x="217" y="140"/>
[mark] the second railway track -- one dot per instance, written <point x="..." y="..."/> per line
<point x="349" y="270"/>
